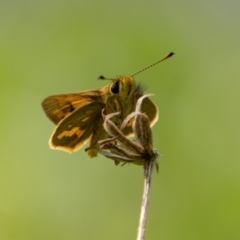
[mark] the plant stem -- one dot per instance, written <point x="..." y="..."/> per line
<point x="148" y="169"/>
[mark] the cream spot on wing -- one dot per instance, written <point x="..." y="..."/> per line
<point x="85" y="119"/>
<point x="70" y="133"/>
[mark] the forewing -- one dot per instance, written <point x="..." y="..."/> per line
<point x="74" y="130"/>
<point x="58" y="107"/>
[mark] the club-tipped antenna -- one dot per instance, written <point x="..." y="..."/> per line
<point x="166" y="57"/>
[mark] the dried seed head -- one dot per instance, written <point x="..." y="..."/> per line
<point x="121" y="148"/>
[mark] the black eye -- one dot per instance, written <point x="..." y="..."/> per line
<point x="115" y="87"/>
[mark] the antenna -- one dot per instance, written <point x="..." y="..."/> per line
<point x="166" y="57"/>
<point x="104" y="78"/>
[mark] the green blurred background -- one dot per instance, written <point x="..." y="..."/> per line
<point x="50" y="47"/>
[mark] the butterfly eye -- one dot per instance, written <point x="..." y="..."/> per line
<point x="115" y="87"/>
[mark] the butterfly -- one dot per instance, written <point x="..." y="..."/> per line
<point x="78" y="116"/>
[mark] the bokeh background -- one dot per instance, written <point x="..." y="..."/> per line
<point x="50" y="47"/>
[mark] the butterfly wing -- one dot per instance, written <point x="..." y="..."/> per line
<point x="58" y="107"/>
<point x="77" y="117"/>
<point x="73" y="131"/>
<point x="150" y="109"/>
